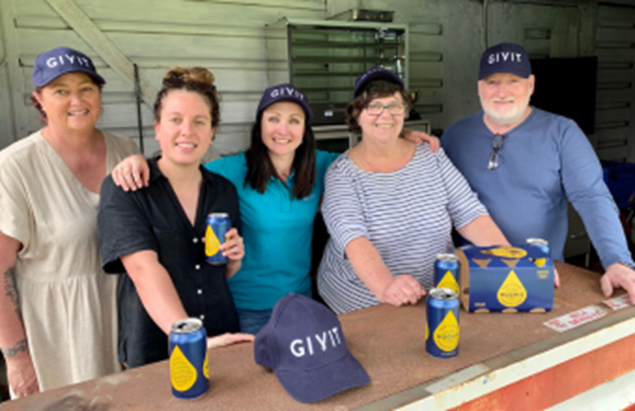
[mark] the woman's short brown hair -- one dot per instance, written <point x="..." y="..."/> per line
<point x="373" y="90"/>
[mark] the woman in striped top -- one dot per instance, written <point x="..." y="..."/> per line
<point x="390" y="205"/>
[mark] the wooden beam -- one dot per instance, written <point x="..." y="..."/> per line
<point x="102" y="45"/>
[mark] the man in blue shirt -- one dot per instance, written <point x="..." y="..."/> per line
<point x="526" y="163"/>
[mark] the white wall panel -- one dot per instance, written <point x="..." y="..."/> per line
<point x="226" y="37"/>
<point x="6" y="110"/>
<point x="445" y="45"/>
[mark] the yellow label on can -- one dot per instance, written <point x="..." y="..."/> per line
<point x="540" y="261"/>
<point x="211" y="242"/>
<point x="446" y="336"/>
<point x="182" y="372"/>
<point x="448" y="281"/>
<point x="507" y="252"/>
<point x="511" y="293"/>
<point x="206" y="366"/>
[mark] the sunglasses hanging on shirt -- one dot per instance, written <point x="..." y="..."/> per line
<point x="494" y="158"/>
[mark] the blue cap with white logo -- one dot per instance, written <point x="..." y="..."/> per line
<point x="375" y="74"/>
<point x="284" y="92"/>
<point x="304" y="345"/>
<point x="505" y="58"/>
<point x="59" y="61"/>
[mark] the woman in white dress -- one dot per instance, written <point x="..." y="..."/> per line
<point x="58" y="316"/>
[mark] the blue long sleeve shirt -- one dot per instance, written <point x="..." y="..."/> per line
<point x="544" y="161"/>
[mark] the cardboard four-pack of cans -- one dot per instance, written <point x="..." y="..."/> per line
<point x="506" y="279"/>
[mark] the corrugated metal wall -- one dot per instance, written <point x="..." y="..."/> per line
<point x="227" y="37"/>
<point x="445" y="45"/>
<point x="615" y="116"/>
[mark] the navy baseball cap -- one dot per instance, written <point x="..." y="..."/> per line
<point x="505" y="58"/>
<point x="54" y="63"/>
<point x="374" y="74"/>
<point x="284" y="92"/>
<point x="304" y="345"/>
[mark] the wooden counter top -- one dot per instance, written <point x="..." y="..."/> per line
<point x="388" y="341"/>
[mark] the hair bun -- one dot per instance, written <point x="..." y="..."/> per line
<point x="198" y="74"/>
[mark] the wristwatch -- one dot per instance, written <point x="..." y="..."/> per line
<point x="627" y="265"/>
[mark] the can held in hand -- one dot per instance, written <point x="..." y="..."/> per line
<point x="442" y="326"/>
<point x="446" y="272"/>
<point x="217" y="225"/>
<point x="541" y="244"/>
<point x="189" y="372"/>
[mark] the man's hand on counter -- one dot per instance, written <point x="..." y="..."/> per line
<point x="619" y="276"/>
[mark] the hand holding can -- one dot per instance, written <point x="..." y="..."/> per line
<point x="217" y="226"/>
<point x="233" y="248"/>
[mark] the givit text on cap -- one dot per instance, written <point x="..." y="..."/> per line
<point x="505" y="58"/>
<point x="374" y="74"/>
<point x="304" y="345"/>
<point x="62" y="60"/>
<point x="284" y="92"/>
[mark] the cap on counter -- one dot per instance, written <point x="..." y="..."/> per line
<point x="304" y="345"/>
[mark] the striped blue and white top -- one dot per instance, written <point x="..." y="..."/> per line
<point x="406" y="214"/>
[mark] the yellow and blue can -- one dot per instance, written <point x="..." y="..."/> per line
<point x="189" y="368"/>
<point x="541" y="244"/>
<point x="446" y="272"/>
<point x="442" y="325"/>
<point x="217" y="225"/>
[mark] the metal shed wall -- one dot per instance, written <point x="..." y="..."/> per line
<point x="227" y="37"/>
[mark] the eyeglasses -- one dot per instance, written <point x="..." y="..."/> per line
<point x="494" y="158"/>
<point x="395" y="109"/>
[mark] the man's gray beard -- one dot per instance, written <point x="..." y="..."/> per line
<point x="505" y="120"/>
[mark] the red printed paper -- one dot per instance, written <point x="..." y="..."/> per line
<point x="618" y="303"/>
<point x="576" y="318"/>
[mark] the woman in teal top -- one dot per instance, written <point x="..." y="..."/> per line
<point x="280" y="181"/>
